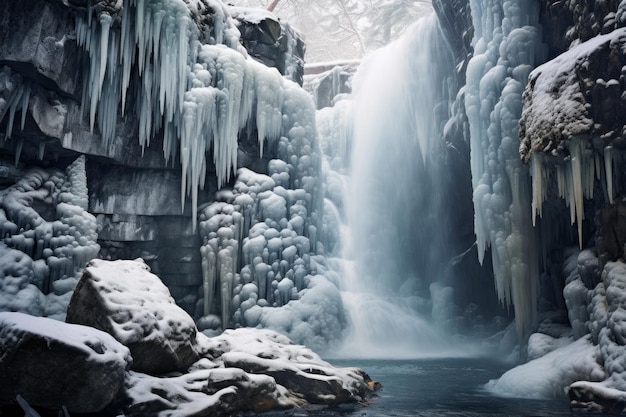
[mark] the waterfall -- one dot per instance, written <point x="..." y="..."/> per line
<point x="397" y="244"/>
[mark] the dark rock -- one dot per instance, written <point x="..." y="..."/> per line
<point x="612" y="230"/>
<point x="125" y="300"/>
<point x="596" y="398"/>
<point x="115" y="189"/>
<point x="456" y="22"/>
<point x="271" y="41"/>
<point x="580" y="93"/>
<point x="53" y="364"/>
<point x="38" y="41"/>
<point x="566" y="22"/>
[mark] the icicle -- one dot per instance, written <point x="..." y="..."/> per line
<point x="538" y="192"/>
<point x="608" y="168"/>
<point x="577" y="185"/>
<point x="105" y="27"/>
<point x="25" y="99"/>
<point x="18" y="150"/>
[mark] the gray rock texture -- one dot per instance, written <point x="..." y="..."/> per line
<point x="53" y="364"/>
<point x="580" y="93"/>
<point x="125" y="300"/>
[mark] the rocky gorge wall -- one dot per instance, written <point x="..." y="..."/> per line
<point x="50" y="115"/>
<point x="570" y="136"/>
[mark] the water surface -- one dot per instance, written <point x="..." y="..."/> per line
<point x="439" y="388"/>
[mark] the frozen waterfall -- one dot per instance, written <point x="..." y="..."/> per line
<point x="395" y="249"/>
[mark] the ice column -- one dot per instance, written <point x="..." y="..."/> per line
<point x="507" y="46"/>
<point x="47" y="237"/>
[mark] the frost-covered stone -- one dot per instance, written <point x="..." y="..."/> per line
<point x="577" y="94"/>
<point x="212" y="391"/>
<point x="596" y="397"/>
<point x="124" y="299"/>
<point x="295" y="367"/>
<point x="53" y="364"/>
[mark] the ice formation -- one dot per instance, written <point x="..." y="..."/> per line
<point x="47" y="238"/>
<point x="15" y="96"/>
<point x="193" y="85"/>
<point x="507" y="46"/>
<point x="559" y="120"/>
<point x="264" y="240"/>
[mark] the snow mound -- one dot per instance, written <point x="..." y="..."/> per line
<point x="550" y="375"/>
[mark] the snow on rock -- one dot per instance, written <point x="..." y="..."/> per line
<point x="565" y="98"/>
<point x="124" y="299"/>
<point x="53" y="364"/>
<point x="241" y="370"/>
<point x="551" y="374"/>
<point x="572" y="110"/>
<point x="47" y="238"/>
<point x="596" y="397"/>
<point x="246" y="370"/>
<point x="204" y="392"/>
<point x="294" y="367"/>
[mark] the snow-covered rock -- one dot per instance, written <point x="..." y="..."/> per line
<point x="53" y="364"/>
<point x="577" y="94"/>
<point x="294" y="367"/>
<point x="125" y="299"/>
<point x="240" y="370"/>
<point x="551" y="374"/>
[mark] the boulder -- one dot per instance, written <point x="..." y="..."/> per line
<point x="124" y="299"/>
<point x="579" y="94"/>
<point x="300" y="370"/>
<point x="596" y="397"/>
<point x="53" y="364"/>
<point x="247" y="370"/>
<point x="205" y="392"/>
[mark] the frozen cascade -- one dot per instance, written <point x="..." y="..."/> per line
<point x="390" y="279"/>
<point x="264" y="242"/>
<point x="47" y="238"/>
<point x="193" y="86"/>
<point x="507" y="46"/>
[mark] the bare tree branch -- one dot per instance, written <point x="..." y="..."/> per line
<point x="272" y="5"/>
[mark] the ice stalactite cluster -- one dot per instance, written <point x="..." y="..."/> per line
<point x="574" y="180"/>
<point x="47" y="238"/>
<point x="161" y="61"/>
<point x="264" y="242"/>
<point x="507" y="46"/>
<point x="568" y="130"/>
<point x="14" y="97"/>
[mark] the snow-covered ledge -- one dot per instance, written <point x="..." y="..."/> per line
<point x="240" y="370"/>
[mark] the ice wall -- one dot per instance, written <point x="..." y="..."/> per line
<point x="266" y="239"/>
<point x="507" y="46"/>
<point x="47" y="238"/>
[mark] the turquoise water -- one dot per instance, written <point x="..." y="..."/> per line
<point x="439" y="388"/>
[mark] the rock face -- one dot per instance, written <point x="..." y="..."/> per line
<point x="125" y="300"/>
<point x="271" y="41"/>
<point x="577" y="94"/>
<point x="456" y="22"/>
<point x="58" y="102"/>
<point x="53" y="364"/>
